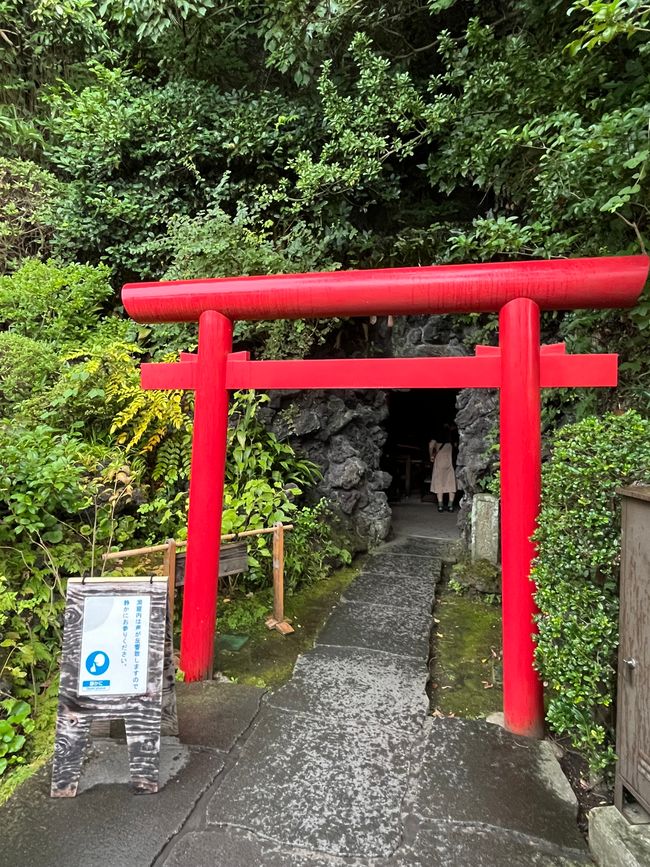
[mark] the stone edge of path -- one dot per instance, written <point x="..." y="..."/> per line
<point x="615" y="842"/>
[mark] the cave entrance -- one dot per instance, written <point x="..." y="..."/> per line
<point x="415" y="417"/>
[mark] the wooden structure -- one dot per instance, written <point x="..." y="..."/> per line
<point x="519" y="367"/>
<point x="633" y="712"/>
<point x="233" y="559"/>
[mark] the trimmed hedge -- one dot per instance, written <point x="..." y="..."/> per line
<point x="577" y="571"/>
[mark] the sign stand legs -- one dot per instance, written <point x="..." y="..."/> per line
<point x="523" y="702"/>
<point x="169" y="717"/>
<point x="143" y="744"/>
<point x="72" y="740"/>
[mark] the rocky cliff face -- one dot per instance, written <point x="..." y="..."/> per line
<point x="344" y="432"/>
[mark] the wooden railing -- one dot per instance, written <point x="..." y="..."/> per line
<point x="233" y="559"/>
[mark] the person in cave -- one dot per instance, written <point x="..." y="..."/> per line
<point x="443" y="477"/>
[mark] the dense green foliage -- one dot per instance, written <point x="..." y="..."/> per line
<point x="91" y="462"/>
<point x="193" y="138"/>
<point x="13" y="727"/>
<point x="577" y="573"/>
<point x="143" y="139"/>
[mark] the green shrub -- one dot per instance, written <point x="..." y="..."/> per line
<point x="59" y="504"/>
<point x="15" y="725"/>
<point x="214" y="244"/>
<point x="577" y="574"/>
<point x="26" y="191"/>
<point x="52" y="302"/>
<point x="27" y="367"/>
<point x="312" y="547"/>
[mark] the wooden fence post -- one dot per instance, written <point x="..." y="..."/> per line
<point x="277" y="621"/>
<point x="278" y="572"/>
<point x="169" y="565"/>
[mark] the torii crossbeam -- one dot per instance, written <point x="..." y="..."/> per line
<point x="519" y="368"/>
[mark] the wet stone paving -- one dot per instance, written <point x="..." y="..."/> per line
<point x="343" y="766"/>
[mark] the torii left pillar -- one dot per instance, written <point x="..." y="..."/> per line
<point x="206" y="493"/>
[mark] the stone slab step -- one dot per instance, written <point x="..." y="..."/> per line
<point x="461" y="845"/>
<point x="402" y="564"/>
<point x="419" y="546"/>
<point x="212" y="714"/>
<point x="350" y="685"/>
<point x="334" y="789"/>
<point x="472" y="772"/>
<point x="378" y="627"/>
<point x="415" y="592"/>
<point x="452" y="846"/>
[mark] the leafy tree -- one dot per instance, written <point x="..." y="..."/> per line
<point x="26" y="192"/>
<point x="607" y="20"/>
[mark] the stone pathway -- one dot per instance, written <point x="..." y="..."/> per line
<point x="341" y="767"/>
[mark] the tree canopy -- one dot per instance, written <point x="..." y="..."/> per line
<point x="186" y="138"/>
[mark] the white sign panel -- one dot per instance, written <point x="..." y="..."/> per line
<point x="114" y="645"/>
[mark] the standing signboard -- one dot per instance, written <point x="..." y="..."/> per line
<point x="117" y="663"/>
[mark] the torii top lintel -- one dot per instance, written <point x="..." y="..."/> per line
<point x="554" y="284"/>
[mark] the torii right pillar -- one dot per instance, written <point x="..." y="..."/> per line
<point x="520" y="434"/>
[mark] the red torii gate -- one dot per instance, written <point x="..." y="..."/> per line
<point x="519" y="367"/>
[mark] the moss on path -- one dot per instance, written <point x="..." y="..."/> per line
<point x="466" y="670"/>
<point x="268" y="658"/>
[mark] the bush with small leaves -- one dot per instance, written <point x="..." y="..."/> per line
<point x="26" y="191"/>
<point x="54" y="303"/>
<point x="27" y="368"/>
<point x="577" y="571"/>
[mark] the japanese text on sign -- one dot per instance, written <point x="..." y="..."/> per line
<point x="114" y="645"/>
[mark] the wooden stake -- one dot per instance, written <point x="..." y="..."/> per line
<point x="277" y="621"/>
<point x="278" y="572"/>
<point x="169" y="566"/>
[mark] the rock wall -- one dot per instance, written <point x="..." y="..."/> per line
<point x="342" y="432"/>
<point x="477" y="418"/>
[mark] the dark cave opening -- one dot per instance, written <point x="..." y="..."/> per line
<point x="415" y="417"/>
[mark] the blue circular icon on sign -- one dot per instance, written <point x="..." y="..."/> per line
<point x="97" y="662"/>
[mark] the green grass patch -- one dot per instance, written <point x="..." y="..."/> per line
<point x="268" y="658"/>
<point x="467" y="678"/>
